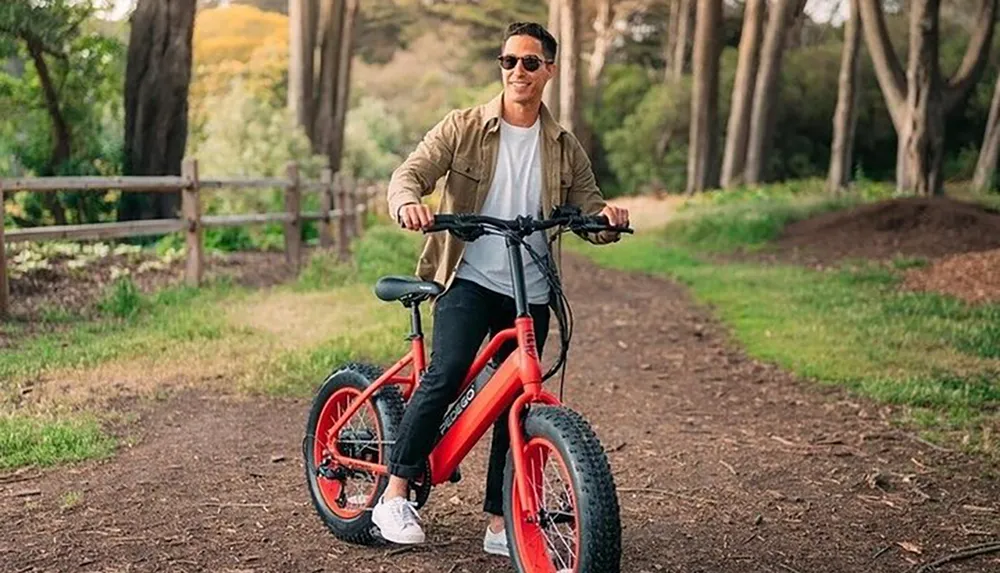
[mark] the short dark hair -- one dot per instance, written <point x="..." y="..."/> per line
<point x="537" y="31"/>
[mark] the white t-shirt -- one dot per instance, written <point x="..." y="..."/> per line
<point x="516" y="190"/>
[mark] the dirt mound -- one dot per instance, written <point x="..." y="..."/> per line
<point x="916" y="227"/>
<point x="974" y="277"/>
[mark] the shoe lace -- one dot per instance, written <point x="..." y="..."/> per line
<point x="405" y="512"/>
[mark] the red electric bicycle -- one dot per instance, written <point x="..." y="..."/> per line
<point x="560" y="505"/>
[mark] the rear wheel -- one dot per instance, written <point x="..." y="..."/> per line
<point x="578" y="528"/>
<point x="341" y="496"/>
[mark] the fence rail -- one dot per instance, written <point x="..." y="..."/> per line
<point x="344" y="205"/>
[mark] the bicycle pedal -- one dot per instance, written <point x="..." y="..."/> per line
<point x="456" y="476"/>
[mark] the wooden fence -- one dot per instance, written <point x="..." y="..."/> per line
<point x="343" y="208"/>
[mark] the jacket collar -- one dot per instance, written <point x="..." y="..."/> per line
<point x="493" y="109"/>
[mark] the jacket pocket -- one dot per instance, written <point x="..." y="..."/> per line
<point x="463" y="185"/>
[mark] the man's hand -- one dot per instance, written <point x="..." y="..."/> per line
<point x="617" y="217"/>
<point x="415" y="216"/>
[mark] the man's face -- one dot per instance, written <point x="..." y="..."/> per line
<point x="520" y="84"/>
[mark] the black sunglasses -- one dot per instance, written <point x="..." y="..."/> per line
<point x="531" y="63"/>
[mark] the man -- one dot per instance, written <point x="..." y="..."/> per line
<point x="505" y="158"/>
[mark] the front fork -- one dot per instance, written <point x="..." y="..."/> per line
<point x="533" y="395"/>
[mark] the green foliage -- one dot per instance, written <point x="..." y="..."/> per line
<point x="382" y="250"/>
<point x="87" y="71"/>
<point x="373" y="137"/>
<point x="46" y="441"/>
<point x="123" y="299"/>
<point x="649" y="149"/>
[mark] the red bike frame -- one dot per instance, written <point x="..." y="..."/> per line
<point x="516" y="383"/>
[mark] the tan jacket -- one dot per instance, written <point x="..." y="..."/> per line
<point x="464" y="145"/>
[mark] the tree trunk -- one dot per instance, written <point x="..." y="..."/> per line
<point x="551" y="94"/>
<point x="325" y="107"/>
<point x="157" y="79"/>
<point x="919" y="100"/>
<point x="704" y="96"/>
<point x="61" y="137"/>
<point x="922" y="136"/>
<point x="302" y="45"/>
<point x="986" y="167"/>
<point x="673" y="21"/>
<point x="605" y="34"/>
<point x="742" y="99"/>
<point x="685" y="21"/>
<point x="766" y="91"/>
<point x="569" y="80"/>
<point x="343" y="82"/>
<point x="845" y="116"/>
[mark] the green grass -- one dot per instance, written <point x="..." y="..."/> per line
<point x="851" y="326"/>
<point x="27" y="440"/>
<point x="135" y="324"/>
<point x="170" y="323"/>
<point x="380" y="339"/>
<point x="749" y="218"/>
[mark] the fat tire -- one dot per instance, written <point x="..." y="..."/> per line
<point x="388" y="405"/>
<point x="592" y="482"/>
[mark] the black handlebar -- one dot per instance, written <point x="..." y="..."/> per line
<point x="524" y="225"/>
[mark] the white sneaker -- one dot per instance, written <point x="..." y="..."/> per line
<point x="398" y="520"/>
<point x="496" y="543"/>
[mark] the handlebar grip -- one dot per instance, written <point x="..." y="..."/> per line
<point x="442" y="222"/>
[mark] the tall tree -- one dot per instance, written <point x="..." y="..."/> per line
<point x="302" y="44"/>
<point x="684" y="22"/>
<point x="739" y="111"/>
<point x="845" y="117"/>
<point x="985" y="176"/>
<point x="569" y="78"/>
<point x="346" y="54"/>
<point x="331" y="23"/>
<point x="779" y="21"/>
<point x="157" y="79"/>
<point x="551" y="95"/>
<point x="704" y="96"/>
<point x="919" y="99"/>
<point x="604" y="35"/>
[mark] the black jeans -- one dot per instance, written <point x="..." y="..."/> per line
<point x="463" y="316"/>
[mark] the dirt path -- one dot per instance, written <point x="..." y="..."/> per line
<point x="723" y="465"/>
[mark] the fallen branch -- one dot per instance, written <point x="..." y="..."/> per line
<point x="930" y="445"/>
<point x="259" y="505"/>
<point x="966" y="553"/>
<point x="728" y="467"/>
<point x="880" y="552"/>
<point x="788" y="568"/>
<point x="18" y="478"/>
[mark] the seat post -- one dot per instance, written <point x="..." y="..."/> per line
<point x="416" y="329"/>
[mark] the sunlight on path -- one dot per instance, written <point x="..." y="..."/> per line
<point x="270" y="324"/>
<point x="647" y="212"/>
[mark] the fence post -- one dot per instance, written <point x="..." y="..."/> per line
<point x="293" y="227"/>
<point x="326" y="205"/>
<point x="191" y="208"/>
<point x="4" y="291"/>
<point x="343" y="218"/>
<point x="360" y="208"/>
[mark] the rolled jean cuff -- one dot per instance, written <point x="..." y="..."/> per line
<point x="493" y="507"/>
<point x="406" y="471"/>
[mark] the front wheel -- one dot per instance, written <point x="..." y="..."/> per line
<point x="578" y="528"/>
